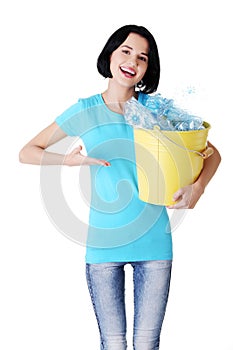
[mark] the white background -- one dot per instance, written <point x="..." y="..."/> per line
<point x="48" y="60"/>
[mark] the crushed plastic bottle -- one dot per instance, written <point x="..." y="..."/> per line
<point x="139" y="116"/>
<point x="160" y="111"/>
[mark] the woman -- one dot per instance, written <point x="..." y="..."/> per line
<point x="122" y="229"/>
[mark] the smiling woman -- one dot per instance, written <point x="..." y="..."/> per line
<point x="122" y="228"/>
<point x="148" y="52"/>
<point x="131" y="58"/>
<point x="128" y="65"/>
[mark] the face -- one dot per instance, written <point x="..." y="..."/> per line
<point x="129" y="62"/>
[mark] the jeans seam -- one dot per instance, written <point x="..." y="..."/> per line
<point x="168" y="267"/>
<point x="93" y="301"/>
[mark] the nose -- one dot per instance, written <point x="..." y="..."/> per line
<point x="132" y="60"/>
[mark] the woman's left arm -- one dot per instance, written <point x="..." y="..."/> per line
<point x="188" y="196"/>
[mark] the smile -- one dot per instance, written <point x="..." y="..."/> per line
<point x="128" y="72"/>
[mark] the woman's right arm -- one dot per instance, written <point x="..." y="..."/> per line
<point x="34" y="152"/>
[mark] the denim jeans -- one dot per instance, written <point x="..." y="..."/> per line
<point x="106" y="283"/>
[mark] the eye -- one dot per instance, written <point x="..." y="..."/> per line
<point x="143" y="58"/>
<point x="127" y="52"/>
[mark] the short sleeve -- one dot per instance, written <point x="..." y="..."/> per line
<point x="69" y="121"/>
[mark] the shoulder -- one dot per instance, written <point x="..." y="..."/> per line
<point x="91" y="101"/>
<point x="81" y="105"/>
<point x="74" y="119"/>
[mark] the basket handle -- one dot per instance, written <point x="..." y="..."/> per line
<point x="207" y="152"/>
<point x="204" y="154"/>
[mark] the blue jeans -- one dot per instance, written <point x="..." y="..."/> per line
<point x="106" y="283"/>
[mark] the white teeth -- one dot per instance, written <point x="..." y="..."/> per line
<point x="127" y="70"/>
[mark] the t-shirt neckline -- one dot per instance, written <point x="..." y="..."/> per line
<point x="109" y="110"/>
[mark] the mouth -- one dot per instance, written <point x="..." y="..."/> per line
<point x="128" y="72"/>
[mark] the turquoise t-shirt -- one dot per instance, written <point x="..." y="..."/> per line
<point x="122" y="228"/>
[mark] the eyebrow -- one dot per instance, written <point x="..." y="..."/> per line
<point x="129" y="47"/>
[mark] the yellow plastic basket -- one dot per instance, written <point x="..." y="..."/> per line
<point x="168" y="160"/>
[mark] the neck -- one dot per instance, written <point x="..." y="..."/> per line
<point x="115" y="97"/>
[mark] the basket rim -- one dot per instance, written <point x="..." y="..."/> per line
<point x="205" y="124"/>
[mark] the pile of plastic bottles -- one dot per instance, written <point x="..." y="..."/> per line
<point x="159" y="111"/>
